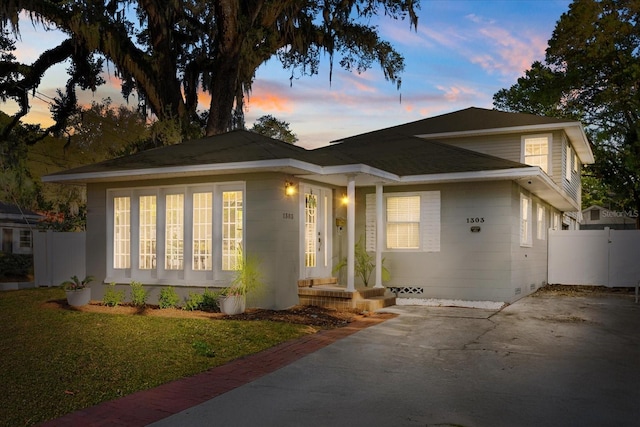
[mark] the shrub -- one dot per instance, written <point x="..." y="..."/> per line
<point x="15" y="265"/>
<point x="138" y="294"/>
<point x="193" y="302"/>
<point x="113" y="297"/>
<point x="168" y="298"/>
<point x="210" y="301"/>
<point x="207" y="301"/>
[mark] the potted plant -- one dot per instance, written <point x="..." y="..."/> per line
<point x="247" y="278"/>
<point x="78" y="291"/>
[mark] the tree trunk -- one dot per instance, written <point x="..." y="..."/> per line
<point x="225" y="70"/>
<point x="224" y="83"/>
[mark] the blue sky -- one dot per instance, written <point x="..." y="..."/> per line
<point x="461" y="54"/>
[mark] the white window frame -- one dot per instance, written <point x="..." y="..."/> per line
<point x="575" y="161"/>
<point x="429" y="228"/>
<point x="541" y="222"/>
<point x="25" y="239"/>
<point x="160" y="275"/>
<point x="568" y="168"/>
<point x="405" y="222"/>
<point x="525" y="221"/>
<point x="528" y="138"/>
<point x="555" y="221"/>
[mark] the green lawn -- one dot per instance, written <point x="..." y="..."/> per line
<point x="57" y="361"/>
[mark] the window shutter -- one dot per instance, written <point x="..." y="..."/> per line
<point x="370" y="223"/>
<point x="430" y="220"/>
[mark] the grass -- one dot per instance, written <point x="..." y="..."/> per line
<point x="58" y="361"/>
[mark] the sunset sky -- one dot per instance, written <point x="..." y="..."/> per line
<point x="461" y="54"/>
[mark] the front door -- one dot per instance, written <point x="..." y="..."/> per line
<point x="316" y="208"/>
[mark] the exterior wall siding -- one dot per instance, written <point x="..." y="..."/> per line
<point x="528" y="263"/>
<point x="271" y="234"/>
<point x="469" y="266"/>
<point x="504" y="146"/>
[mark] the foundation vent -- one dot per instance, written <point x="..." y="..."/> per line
<point x="406" y="290"/>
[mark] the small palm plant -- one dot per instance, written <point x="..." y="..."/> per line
<point x="364" y="264"/>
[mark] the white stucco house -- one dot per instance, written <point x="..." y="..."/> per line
<point x="458" y="205"/>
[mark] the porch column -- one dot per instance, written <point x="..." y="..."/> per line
<point x="379" y="235"/>
<point x="351" y="232"/>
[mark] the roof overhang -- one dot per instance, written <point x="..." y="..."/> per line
<point x="289" y="166"/>
<point x="574" y="131"/>
<point x="530" y="177"/>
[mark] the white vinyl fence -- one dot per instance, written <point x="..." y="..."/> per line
<point x="594" y="257"/>
<point x="58" y="256"/>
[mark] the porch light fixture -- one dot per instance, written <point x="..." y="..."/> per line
<point x="289" y="188"/>
<point x="345" y="199"/>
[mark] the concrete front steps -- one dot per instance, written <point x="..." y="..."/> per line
<point x="326" y="292"/>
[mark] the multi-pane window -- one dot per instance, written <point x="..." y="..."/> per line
<point x="121" y="232"/>
<point x="536" y="152"/>
<point x="25" y="238"/>
<point x="174" y="232"/>
<point x="231" y="229"/>
<point x="525" y="220"/>
<point x="403" y="222"/>
<point x="541" y="223"/>
<point x="202" y="228"/>
<point x="147" y="230"/>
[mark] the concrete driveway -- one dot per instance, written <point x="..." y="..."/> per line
<point x="542" y="361"/>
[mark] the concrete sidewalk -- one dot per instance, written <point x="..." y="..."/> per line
<point x="543" y="361"/>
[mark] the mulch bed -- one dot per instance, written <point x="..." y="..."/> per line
<point x="320" y="317"/>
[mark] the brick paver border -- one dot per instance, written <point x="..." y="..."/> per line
<point x="147" y="406"/>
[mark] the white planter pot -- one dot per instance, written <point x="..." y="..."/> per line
<point x="232" y="304"/>
<point x="79" y="298"/>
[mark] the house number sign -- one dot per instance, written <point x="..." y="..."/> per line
<point x="287" y="215"/>
<point x="475" y="220"/>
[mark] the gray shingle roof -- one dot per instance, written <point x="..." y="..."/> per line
<point x="231" y="147"/>
<point x="395" y="150"/>
<point x="408" y="155"/>
<point x="467" y="120"/>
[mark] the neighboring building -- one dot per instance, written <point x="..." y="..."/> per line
<point x="16" y="227"/>
<point x="458" y="206"/>
<point x="599" y="218"/>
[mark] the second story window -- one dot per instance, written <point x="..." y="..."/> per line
<point x="535" y="151"/>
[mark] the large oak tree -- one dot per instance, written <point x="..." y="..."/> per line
<point x="169" y="50"/>
<point x="592" y="73"/>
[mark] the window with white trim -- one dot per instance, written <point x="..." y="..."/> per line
<point x="411" y="221"/>
<point x="147" y="233"/>
<point x="541" y="223"/>
<point x="121" y="232"/>
<point x="525" y="220"/>
<point x="231" y="229"/>
<point x="174" y="232"/>
<point x="535" y="151"/>
<point x="202" y="230"/>
<point x="575" y="162"/>
<point x="194" y="231"/>
<point x="568" y="169"/>
<point x="25" y="238"/>
<point x="403" y="222"/>
<point x="555" y="221"/>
